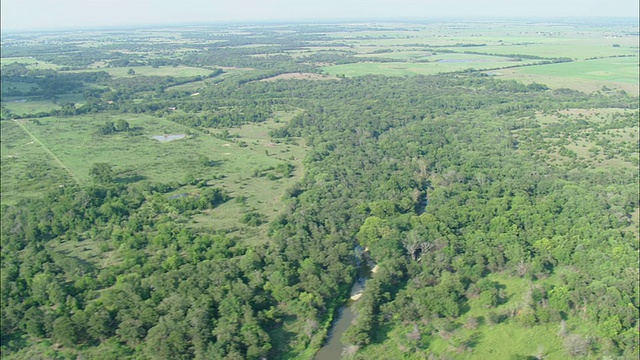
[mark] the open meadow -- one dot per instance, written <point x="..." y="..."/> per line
<point x="244" y="164"/>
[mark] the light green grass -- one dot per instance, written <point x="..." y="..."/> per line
<point x="612" y="69"/>
<point x="198" y="85"/>
<point x="23" y="105"/>
<point x="27" y="169"/>
<point x="18" y="86"/>
<point x="178" y="71"/>
<point x="587" y="76"/>
<point x="575" y="48"/>
<point x="74" y="142"/>
<point x="500" y="341"/>
<point x="407" y="68"/>
<point x="30" y="62"/>
<point x="434" y="56"/>
<point x="263" y="194"/>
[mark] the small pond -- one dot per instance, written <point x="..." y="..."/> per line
<point x="171" y="137"/>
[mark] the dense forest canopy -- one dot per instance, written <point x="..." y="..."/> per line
<point x="485" y="204"/>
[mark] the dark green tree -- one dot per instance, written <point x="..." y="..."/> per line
<point x="102" y="173"/>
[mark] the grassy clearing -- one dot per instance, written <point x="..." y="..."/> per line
<point x="407" y="68"/>
<point x="23" y="105"/>
<point x="27" y="169"/>
<point x="246" y="164"/>
<point x="261" y="193"/>
<point x="177" y="71"/>
<point x="18" y="86"/>
<point x="622" y="70"/>
<point x="575" y="81"/>
<point x="198" y="85"/>
<point x="31" y="63"/>
<point x="601" y="145"/>
<point x="300" y="76"/>
<point x="499" y="341"/>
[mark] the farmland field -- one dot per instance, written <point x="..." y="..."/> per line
<point x="588" y="75"/>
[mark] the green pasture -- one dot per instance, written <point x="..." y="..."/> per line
<point x="408" y="68"/>
<point x="8" y="86"/>
<point x="499" y="341"/>
<point x="245" y="164"/>
<point x="175" y="71"/>
<point x="30" y="62"/>
<point x="263" y="192"/>
<point x="588" y="76"/>
<point x="22" y="105"/>
<point x="27" y="169"/>
<point x="506" y="38"/>
<point x="623" y="70"/>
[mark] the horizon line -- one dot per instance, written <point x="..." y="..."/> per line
<point x="319" y="21"/>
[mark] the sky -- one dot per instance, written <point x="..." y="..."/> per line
<point x="64" y="14"/>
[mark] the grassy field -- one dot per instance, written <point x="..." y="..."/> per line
<point x="263" y="192"/>
<point x="409" y="68"/>
<point x="580" y="42"/>
<point x="197" y="85"/>
<point x="27" y="168"/>
<point x="600" y="145"/>
<point x="30" y="62"/>
<point x="177" y="71"/>
<point x="498" y="341"/>
<point x="589" y="75"/>
<point x="245" y="164"/>
<point x="30" y="105"/>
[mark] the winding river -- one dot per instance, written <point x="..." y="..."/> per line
<point x="333" y="347"/>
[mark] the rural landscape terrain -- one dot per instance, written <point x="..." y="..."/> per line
<point x="379" y="190"/>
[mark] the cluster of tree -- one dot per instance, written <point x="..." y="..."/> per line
<point x="48" y="83"/>
<point x="223" y="117"/>
<point x="110" y="127"/>
<point x="492" y="208"/>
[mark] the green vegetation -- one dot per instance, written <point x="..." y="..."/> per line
<point x="160" y="201"/>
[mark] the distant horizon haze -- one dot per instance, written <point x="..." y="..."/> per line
<point x="26" y="15"/>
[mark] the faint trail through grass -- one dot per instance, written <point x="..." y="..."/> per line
<point x="75" y="178"/>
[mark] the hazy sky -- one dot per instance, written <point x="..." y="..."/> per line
<point x="58" y="14"/>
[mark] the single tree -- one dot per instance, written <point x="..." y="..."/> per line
<point x="122" y="125"/>
<point x="102" y="173"/>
